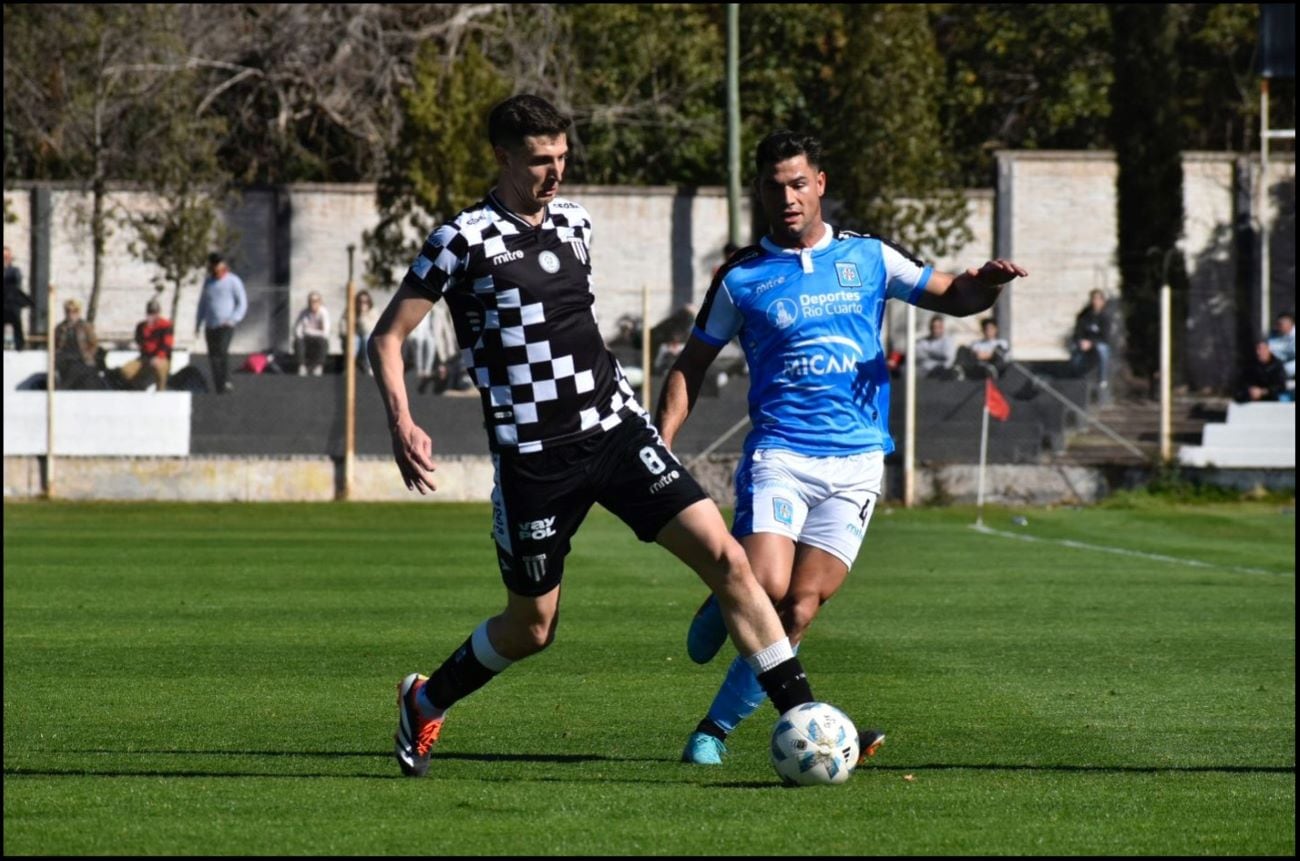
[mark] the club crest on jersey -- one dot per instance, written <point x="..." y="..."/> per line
<point x="783" y="511"/>
<point x="549" y="262"/>
<point x="782" y="313"/>
<point x="848" y="274"/>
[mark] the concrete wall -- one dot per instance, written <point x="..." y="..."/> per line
<point x="1059" y="209"/>
<point x="291" y="241"/>
<point x="99" y="423"/>
<point x="460" y="479"/>
<point x="1056" y="210"/>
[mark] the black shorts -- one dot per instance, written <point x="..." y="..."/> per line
<point x="541" y="498"/>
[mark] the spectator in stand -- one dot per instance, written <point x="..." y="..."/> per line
<point x="1282" y="345"/>
<point x="15" y="300"/>
<point x="311" y="336"/>
<point x="364" y="310"/>
<point x="986" y="357"/>
<point x="449" y="376"/>
<point x="936" y="354"/>
<point x="223" y="303"/>
<point x="1264" y="377"/>
<point x="1091" y="344"/>
<point x="76" y="350"/>
<point x="156" y="338"/>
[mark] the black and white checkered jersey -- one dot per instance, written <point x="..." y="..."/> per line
<point x="521" y="301"/>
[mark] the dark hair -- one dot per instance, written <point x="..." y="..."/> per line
<point x="152" y="307"/>
<point x="784" y="144"/>
<point x="214" y="258"/>
<point x="1285" y="315"/>
<point x="523" y="115"/>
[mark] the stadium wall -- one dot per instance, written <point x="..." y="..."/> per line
<point x="459" y="479"/>
<point x="1052" y="211"/>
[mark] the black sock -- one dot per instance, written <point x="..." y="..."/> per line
<point x="786" y="685"/>
<point x="458" y="677"/>
<point x="708" y="727"/>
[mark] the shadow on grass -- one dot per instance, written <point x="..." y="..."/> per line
<point x="572" y="759"/>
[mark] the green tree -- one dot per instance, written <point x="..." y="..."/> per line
<point x="442" y="161"/>
<point x="646" y="93"/>
<point x="190" y="189"/>
<point x="891" y="160"/>
<point x="83" y="85"/>
<point x="1022" y="76"/>
<point x="1147" y="135"/>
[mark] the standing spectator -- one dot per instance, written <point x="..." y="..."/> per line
<point x="425" y="349"/>
<point x="986" y="357"/>
<point x="15" y="300"/>
<point x="448" y="374"/>
<point x="223" y="304"/>
<point x="76" y="350"/>
<point x="1263" y="378"/>
<point x="364" y="311"/>
<point x="156" y="338"/>
<point x="311" y="336"/>
<point x="1282" y="345"/>
<point x="936" y="354"/>
<point x="1091" y="342"/>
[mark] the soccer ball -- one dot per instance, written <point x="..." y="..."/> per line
<point x="814" y="744"/>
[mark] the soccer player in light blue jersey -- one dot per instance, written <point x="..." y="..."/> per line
<point x="807" y="303"/>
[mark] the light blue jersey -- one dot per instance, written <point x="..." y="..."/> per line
<point x="809" y="323"/>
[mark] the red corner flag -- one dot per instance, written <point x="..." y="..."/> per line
<point x="994" y="402"/>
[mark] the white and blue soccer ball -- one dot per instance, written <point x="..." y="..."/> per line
<point x="814" y="744"/>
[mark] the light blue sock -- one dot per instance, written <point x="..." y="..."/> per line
<point x="739" y="696"/>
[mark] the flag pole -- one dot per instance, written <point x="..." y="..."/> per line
<point x="984" y="446"/>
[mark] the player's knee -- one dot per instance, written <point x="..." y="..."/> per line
<point x="737" y="577"/>
<point x="524" y="638"/>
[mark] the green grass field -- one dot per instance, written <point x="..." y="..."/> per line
<point x="219" y="679"/>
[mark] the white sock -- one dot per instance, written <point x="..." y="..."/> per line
<point x="767" y="658"/>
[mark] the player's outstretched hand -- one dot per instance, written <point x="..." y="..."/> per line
<point x="997" y="272"/>
<point x="413" y="451"/>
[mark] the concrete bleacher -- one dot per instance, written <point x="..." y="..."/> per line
<point x="1259" y="435"/>
<point x="284" y="414"/>
<point x="89" y="423"/>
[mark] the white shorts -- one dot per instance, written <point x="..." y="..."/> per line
<point x="824" y="502"/>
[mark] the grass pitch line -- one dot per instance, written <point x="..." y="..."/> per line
<point x="1120" y="551"/>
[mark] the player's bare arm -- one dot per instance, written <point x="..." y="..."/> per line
<point x="682" y="387"/>
<point x="972" y="291"/>
<point x="412" y="448"/>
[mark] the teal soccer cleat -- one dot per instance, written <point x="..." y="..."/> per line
<point x="703" y="749"/>
<point x="707" y="632"/>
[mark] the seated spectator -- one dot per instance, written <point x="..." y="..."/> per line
<point x="986" y="357"/>
<point x="76" y="351"/>
<point x="936" y="354"/>
<point x="1264" y="377"/>
<point x="155" y="337"/>
<point x="366" y="317"/>
<point x="311" y="336"/>
<point x="1091" y="343"/>
<point x="1282" y="345"/>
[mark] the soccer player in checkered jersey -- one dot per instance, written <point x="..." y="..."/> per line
<point x="807" y="303"/>
<point x="564" y="428"/>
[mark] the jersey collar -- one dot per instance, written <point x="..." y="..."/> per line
<point x="506" y="212"/>
<point x="805" y="255"/>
